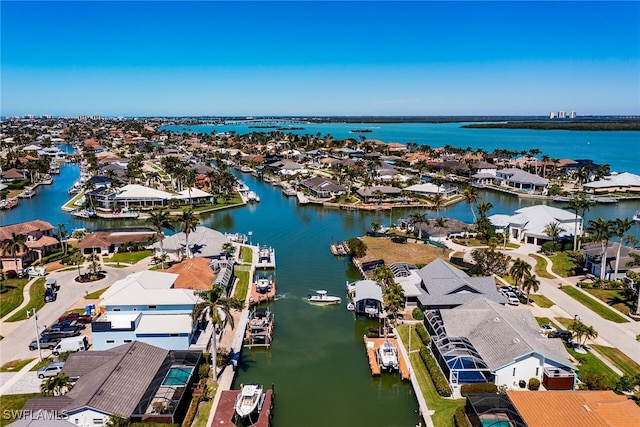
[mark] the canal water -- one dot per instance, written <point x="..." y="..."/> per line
<point x="317" y="362"/>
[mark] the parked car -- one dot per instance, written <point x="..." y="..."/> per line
<point x="80" y="318"/>
<point x="71" y="344"/>
<point x="562" y="333"/>
<point x="50" y="295"/>
<point x="66" y="325"/>
<point x="547" y="329"/>
<point x="46" y="342"/>
<point x="580" y="348"/>
<point x="512" y="299"/>
<point x="51" y="370"/>
<point x="53" y="284"/>
<point x="62" y="333"/>
<point x="34" y="271"/>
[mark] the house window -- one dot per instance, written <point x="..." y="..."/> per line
<point x="116" y="309"/>
<point x="152" y="307"/>
<point x="110" y="341"/>
<point x="127" y="341"/>
<point x="175" y="335"/>
<point x="514" y="372"/>
<point x="537" y="371"/>
<point x="98" y="421"/>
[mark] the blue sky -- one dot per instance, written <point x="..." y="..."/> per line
<point x="319" y="58"/>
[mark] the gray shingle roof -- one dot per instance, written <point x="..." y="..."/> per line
<point x="501" y="335"/>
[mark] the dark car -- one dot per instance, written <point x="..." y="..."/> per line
<point x="50" y="295"/>
<point x="62" y="333"/>
<point x="81" y="318"/>
<point x="562" y="333"/>
<point x="66" y="324"/>
<point x="46" y="342"/>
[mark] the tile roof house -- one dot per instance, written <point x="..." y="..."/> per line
<point x="521" y="180"/>
<point x="38" y="237"/>
<point x="108" y="242"/>
<point x="193" y="273"/>
<point x="623" y="182"/>
<point x="483" y="341"/>
<point x="528" y="224"/>
<point x="593" y="259"/>
<point x="445" y="286"/>
<point x="136" y="381"/>
<point x="203" y="242"/>
<point x="323" y="187"/>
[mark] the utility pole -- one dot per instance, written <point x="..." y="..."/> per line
<point x="35" y="318"/>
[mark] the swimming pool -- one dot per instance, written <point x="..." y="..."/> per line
<point x="177" y="376"/>
<point x="495" y="420"/>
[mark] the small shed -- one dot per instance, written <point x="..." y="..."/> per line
<point x="367" y="298"/>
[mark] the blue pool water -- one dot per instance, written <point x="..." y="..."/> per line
<point x="177" y="376"/>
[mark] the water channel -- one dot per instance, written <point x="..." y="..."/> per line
<point x="317" y="362"/>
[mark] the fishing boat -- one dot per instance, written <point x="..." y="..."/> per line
<point x="250" y="400"/>
<point x="75" y="188"/>
<point x="636" y="216"/>
<point x="321" y="297"/>
<point x="338" y="249"/>
<point x="80" y="213"/>
<point x="47" y="180"/>
<point x="266" y="257"/>
<point x="27" y="194"/>
<point x="263" y="285"/>
<point x="8" y="203"/>
<point x="388" y="356"/>
<point x="251" y="196"/>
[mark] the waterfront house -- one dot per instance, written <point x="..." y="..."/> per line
<point x="522" y="181"/>
<point x="483" y="341"/>
<point x="406" y="275"/>
<point x="366" y="296"/>
<point x="323" y="187"/>
<point x="38" y="237"/>
<point x="203" y="242"/>
<point x="431" y="230"/>
<point x="136" y="381"/>
<point x="108" y="242"/>
<point x="12" y="174"/>
<point x="145" y="307"/>
<point x="193" y="273"/>
<point x="444" y="286"/>
<point x="623" y="183"/>
<point x="528" y="224"/>
<point x="138" y="195"/>
<point x="378" y="193"/>
<point x="593" y="259"/>
<point x="430" y="189"/>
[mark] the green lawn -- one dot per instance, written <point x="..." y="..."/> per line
<point x="36" y="300"/>
<point x="129" y="257"/>
<point x="96" y="294"/>
<point x="541" y="300"/>
<point x="563" y="264"/>
<point x="594" y="305"/>
<point x="15" y="365"/>
<point x="41" y="364"/>
<point x="613" y="298"/>
<point x="619" y="359"/>
<point x="247" y="255"/>
<point x="242" y="288"/>
<point x="540" y="268"/>
<point x="589" y="362"/>
<point x="444" y="408"/>
<point x="543" y="321"/>
<point x="11" y="295"/>
<point x="10" y="403"/>
<point x="565" y="321"/>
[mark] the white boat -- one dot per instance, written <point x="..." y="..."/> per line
<point x="388" y="356"/>
<point x="80" y="213"/>
<point x="636" y="216"/>
<point x="27" y="194"/>
<point x="75" y="188"/>
<point x="257" y="198"/>
<point x="249" y="400"/>
<point x="266" y="257"/>
<point x="47" y="180"/>
<point x="321" y="297"/>
<point x="263" y="285"/>
<point x="251" y="196"/>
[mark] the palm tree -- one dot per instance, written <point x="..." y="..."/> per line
<point x="441" y="223"/>
<point x="13" y="245"/>
<point x="62" y="235"/>
<point x="602" y="231"/>
<point x="484" y="208"/>
<point x="418" y="218"/>
<point x="437" y="203"/>
<point x="55" y="385"/>
<point x="160" y="220"/>
<point x="471" y="195"/>
<point x="620" y="227"/>
<point x="578" y="203"/>
<point x="375" y="226"/>
<point x="553" y="230"/>
<point x="188" y="223"/>
<point x="519" y="270"/>
<point x="383" y="275"/>
<point x="530" y="282"/>
<point x="393" y="298"/>
<point x="589" y="333"/>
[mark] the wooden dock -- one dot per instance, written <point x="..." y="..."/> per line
<point x="372" y="344"/>
<point x="225" y="413"/>
<point x="258" y="297"/>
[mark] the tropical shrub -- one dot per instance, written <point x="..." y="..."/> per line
<point x="423" y="334"/>
<point x="357" y="248"/>
<point x="439" y="381"/>
<point x="417" y="314"/>
<point x="460" y="418"/>
<point x="466" y="389"/>
<point x="534" y="384"/>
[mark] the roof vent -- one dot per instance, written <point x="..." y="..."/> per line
<point x="496" y="319"/>
<point x="516" y="340"/>
<point x="586" y="408"/>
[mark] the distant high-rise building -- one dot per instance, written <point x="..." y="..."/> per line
<point x="562" y="114"/>
<point x="552" y="115"/>
<point x="572" y="115"/>
<point x="82" y="117"/>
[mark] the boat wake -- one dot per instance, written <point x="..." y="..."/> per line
<point x="280" y="296"/>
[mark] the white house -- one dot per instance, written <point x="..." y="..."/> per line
<point x="521" y="180"/>
<point x="623" y="182"/>
<point x="528" y="224"/>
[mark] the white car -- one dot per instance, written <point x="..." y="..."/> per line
<point x="547" y="329"/>
<point x="36" y="271"/>
<point x="512" y="299"/>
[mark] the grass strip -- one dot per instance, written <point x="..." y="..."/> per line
<point x="594" y="305"/>
<point x="129" y="257"/>
<point x="11" y="294"/>
<point x="619" y="359"/>
<point x="242" y="288"/>
<point x="541" y="267"/>
<point x="247" y="255"/>
<point x="96" y="294"/>
<point x="15" y="365"/>
<point x="589" y="362"/>
<point x="11" y="405"/>
<point x="541" y="301"/>
<point x="36" y="301"/>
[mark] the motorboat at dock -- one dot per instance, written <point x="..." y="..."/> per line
<point x="266" y="257"/>
<point x="388" y="356"/>
<point x="250" y="400"/>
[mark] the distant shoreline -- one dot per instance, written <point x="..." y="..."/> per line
<point x="580" y="126"/>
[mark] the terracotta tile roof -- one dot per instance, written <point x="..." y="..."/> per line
<point x="193" y="273"/>
<point x="42" y="242"/>
<point x="24" y="228"/>
<point x="100" y="239"/>
<point x="583" y="408"/>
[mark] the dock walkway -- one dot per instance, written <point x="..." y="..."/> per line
<point x="225" y="411"/>
<point x="372" y="345"/>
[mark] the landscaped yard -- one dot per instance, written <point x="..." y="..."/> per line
<point x="11" y="294"/>
<point x="36" y="301"/>
<point x="540" y="268"/>
<point x="444" y="408"/>
<point x="242" y="288"/>
<point x="594" y="305"/>
<point x="412" y="253"/>
<point x="541" y="301"/>
<point x="543" y="321"/>
<point x="15" y="365"/>
<point x="563" y="264"/>
<point x="619" y="359"/>
<point x="96" y="294"/>
<point x="590" y="362"/>
<point x="129" y="257"/>
<point x="614" y="298"/>
<point x="247" y="255"/>
<point x="11" y="403"/>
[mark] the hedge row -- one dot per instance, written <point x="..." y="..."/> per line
<point x="439" y="381"/>
<point x="423" y="334"/>
<point x="466" y="389"/>
<point x="460" y="418"/>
